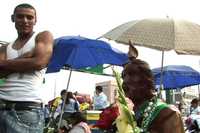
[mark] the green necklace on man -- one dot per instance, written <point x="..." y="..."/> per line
<point x="148" y="111"/>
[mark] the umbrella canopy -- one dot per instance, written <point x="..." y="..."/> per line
<point x="162" y="34"/>
<point x="79" y="52"/>
<point x="176" y="76"/>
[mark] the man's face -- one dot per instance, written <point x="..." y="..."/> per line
<point x="131" y="82"/>
<point x="25" y="19"/>
<point x="97" y="92"/>
<point x="194" y="105"/>
<point x="63" y="96"/>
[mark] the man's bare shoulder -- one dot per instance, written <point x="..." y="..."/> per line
<point x="44" y="36"/>
<point x="167" y="121"/>
<point x="168" y="113"/>
<point x="46" y="32"/>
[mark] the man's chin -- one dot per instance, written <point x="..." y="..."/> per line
<point x="26" y="32"/>
<point x="136" y="100"/>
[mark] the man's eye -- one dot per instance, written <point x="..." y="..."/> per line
<point x="20" y="16"/>
<point x="29" y="17"/>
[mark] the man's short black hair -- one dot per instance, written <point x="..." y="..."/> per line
<point x="24" y="5"/>
<point x="99" y="88"/>
<point x="195" y="101"/>
<point x="62" y="92"/>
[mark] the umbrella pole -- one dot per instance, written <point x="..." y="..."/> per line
<point x="199" y="90"/>
<point x="63" y="104"/>
<point x="55" y="86"/>
<point x="161" y="76"/>
<point x="199" y="85"/>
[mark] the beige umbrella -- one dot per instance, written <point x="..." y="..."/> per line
<point x="161" y="34"/>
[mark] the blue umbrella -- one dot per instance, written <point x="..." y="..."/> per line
<point x="176" y="76"/>
<point x="78" y="52"/>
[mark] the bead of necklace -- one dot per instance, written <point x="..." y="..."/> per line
<point x="147" y="111"/>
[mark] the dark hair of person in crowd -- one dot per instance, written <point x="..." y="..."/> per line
<point x="99" y="88"/>
<point x="69" y="95"/>
<point x="77" y="117"/>
<point x="62" y="92"/>
<point x="195" y="101"/>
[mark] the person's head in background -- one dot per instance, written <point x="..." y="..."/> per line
<point x="194" y="103"/>
<point x="24" y="17"/>
<point x="76" y="93"/>
<point x="63" y="93"/>
<point x="69" y="96"/>
<point x="77" y="117"/>
<point x="98" y="89"/>
<point x="138" y="83"/>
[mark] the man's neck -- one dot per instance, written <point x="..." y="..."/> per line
<point x="22" y="36"/>
<point x="137" y="104"/>
<point x="21" y="40"/>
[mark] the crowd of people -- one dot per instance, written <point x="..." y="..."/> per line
<point x="22" y="65"/>
<point x="193" y="118"/>
<point x="73" y="104"/>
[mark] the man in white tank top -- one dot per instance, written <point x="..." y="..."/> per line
<point x="22" y="64"/>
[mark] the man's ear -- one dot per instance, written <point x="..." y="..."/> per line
<point x="12" y="18"/>
<point x="35" y="20"/>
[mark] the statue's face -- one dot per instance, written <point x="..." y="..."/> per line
<point x="132" y="83"/>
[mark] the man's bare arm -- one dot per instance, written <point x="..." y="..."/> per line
<point x="36" y="60"/>
<point x="3" y="52"/>
<point x="3" y="48"/>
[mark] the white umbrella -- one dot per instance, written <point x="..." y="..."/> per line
<point x="161" y="34"/>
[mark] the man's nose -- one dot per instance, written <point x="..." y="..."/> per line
<point x="25" y="19"/>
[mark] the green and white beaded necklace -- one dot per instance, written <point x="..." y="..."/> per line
<point x="149" y="110"/>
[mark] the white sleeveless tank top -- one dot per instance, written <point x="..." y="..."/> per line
<point x="22" y="86"/>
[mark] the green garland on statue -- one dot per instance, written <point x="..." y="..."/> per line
<point x="126" y="121"/>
